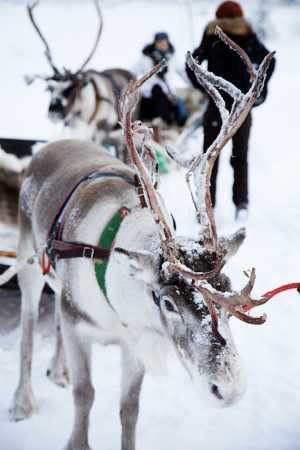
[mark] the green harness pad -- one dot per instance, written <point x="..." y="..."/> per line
<point x="161" y="161"/>
<point x="106" y="241"/>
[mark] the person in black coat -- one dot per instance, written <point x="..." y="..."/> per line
<point x="223" y="62"/>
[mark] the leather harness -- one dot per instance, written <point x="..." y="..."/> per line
<point x="98" y="99"/>
<point x="57" y="248"/>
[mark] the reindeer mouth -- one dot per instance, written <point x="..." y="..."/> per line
<point x="55" y="116"/>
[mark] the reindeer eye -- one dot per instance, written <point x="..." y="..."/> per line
<point x="169" y="306"/>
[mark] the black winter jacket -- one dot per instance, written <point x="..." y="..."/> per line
<point x="224" y="62"/>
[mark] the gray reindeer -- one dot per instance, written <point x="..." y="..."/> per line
<point x="150" y="291"/>
<point x="85" y="99"/>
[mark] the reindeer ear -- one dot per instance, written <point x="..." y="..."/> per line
<point x="231" y="244"/>
<point x="139" y="265"/>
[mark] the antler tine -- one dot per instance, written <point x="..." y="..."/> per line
<point x="29" y="79"/>
<point x="236" y="303"/>
<point x="200" y="171"/>
<point x="100" y="29"/>
<point x="48" y="55"/>
<point x="128" y="103"/>
<point x="236" y="48"/>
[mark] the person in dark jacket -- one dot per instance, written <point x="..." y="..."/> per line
<point x="158" y="97"/>
<point x="222" y="61"/>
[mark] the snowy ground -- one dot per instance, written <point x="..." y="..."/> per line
<point x="172" y="417"/>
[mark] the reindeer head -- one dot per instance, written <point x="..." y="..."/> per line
<point x="212" y="362"/>
<point x="64" y="86"/>
<point x="194" y="298"/>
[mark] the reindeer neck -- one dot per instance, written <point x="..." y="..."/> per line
<point x="138" y="232"/>
<point x="96" y="101"/>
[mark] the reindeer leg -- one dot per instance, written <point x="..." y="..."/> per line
<point x="79" y="359"/>
<point x="58" y="371"/>
<point x="132" y="378"/>
<point x="31" y="284"/>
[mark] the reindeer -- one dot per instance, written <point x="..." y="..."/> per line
<point x="161" y="292"/>
<point x="87" y="98"/>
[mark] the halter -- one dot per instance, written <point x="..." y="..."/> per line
<point x="98" y="99"/>
<point x="78" y="86"/>
<point x="57" y="248"/>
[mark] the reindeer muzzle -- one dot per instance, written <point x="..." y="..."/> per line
<point x="56" y="110"/>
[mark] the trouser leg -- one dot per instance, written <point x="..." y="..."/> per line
<point x="211" y="129"/>
<point x="162" y="106"/>
<point x="239" y="163"/>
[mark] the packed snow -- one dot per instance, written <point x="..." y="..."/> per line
<point x="172" y="415"/>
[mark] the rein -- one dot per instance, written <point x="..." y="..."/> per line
<point x="57" y="248"/>
<point x="270" y="294"/>
<point x="285" y="287"/>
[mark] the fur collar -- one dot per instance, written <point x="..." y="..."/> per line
<point x="237" y="25"/>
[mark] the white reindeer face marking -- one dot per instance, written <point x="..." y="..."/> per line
<point x="209" y="362"/>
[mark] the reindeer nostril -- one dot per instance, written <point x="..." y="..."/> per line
<point x="215" y="391"/>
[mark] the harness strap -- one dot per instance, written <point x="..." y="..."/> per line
<point x="55" y="230"/>
<point x="117" y="89"/>
<point x="69" y="249"/>
<point x="57" y="248"/>
<point x="98" y="99"/>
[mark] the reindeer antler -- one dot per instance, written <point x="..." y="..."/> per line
<point x="100" y="29"/>
<point x="57" y="74"/>
<point x="235" y="303"/>
<point x="127" y="105"/>
<point x="201" y="168"/>
<point x="30" y="9"/>
<point x="236" y="48"/>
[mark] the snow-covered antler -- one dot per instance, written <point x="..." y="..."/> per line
<point x="199" y="174"/>
<point x="236" y="48"/>
<point x="128" y="102"/>
<point x="236" y="303"/>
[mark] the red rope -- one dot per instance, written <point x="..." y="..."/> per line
<point x="276" y="291"/>
<point x="280" y="289"/>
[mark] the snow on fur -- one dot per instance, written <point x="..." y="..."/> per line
<point x="268" y="415"/>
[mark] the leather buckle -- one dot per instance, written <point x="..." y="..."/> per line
<point x="88" y="252"/>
